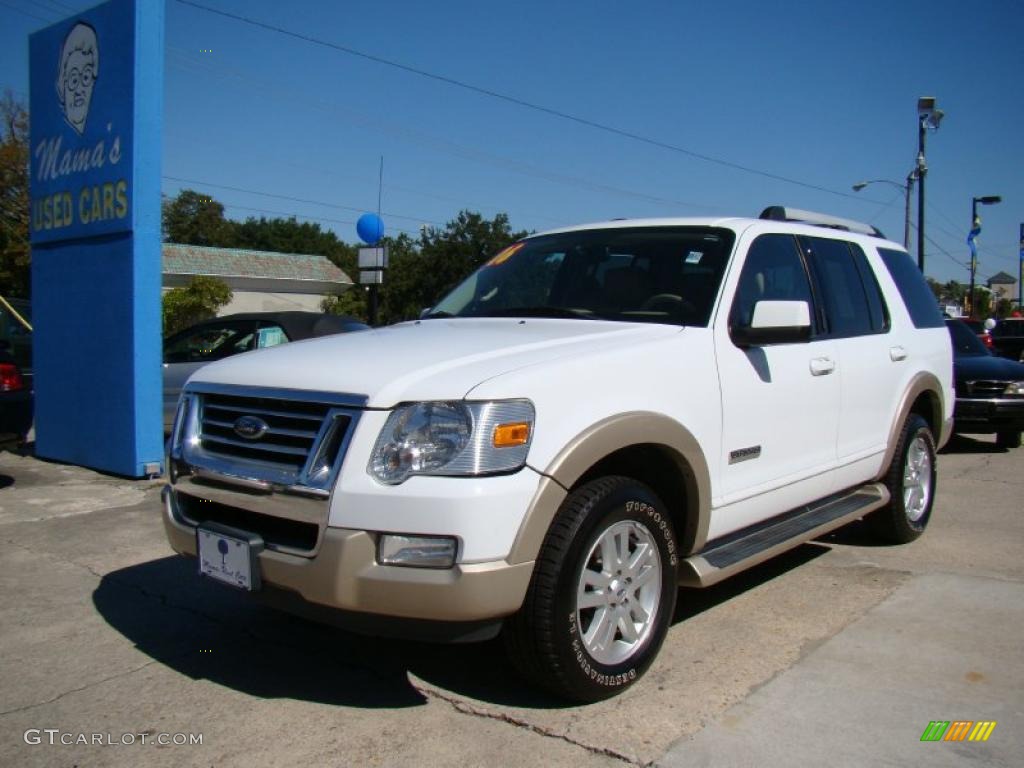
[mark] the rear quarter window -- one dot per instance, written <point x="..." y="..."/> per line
<point x="917" y="296"/>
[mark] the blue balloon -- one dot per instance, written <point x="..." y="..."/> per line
<point x="370" y="228"/>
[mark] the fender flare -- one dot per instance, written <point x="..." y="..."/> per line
<point x="922" y="383"/>
<point x="601" y="440"/>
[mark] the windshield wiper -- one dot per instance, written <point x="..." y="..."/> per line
<point x="540" y="311"/>
<point x="431" y="315"/>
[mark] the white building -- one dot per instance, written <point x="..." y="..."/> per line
<point x="261" y="281"/>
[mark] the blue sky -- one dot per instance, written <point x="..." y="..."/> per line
<point x="824" y="93"/>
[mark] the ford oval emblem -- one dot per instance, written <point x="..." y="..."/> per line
<point x="251" y="427"/>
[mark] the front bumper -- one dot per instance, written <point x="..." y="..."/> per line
<point x="979" y="416"/>
<point x="344" y="574"/>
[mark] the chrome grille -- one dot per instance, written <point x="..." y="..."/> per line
<point x="264" y="439"/>
<point x="292" y="428"/>
<point x="986" y="388"/>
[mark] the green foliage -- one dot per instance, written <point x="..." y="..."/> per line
<point x="15" y="255"/>
<point x="1004" y="308"/>
<point x="193" y="218"/>
<point x="420" y="273"/>
<point x="198" y="301"/>
<point x="352" y="302"/>
<point x="982" y="304"/>
<point x="419" y="277"/>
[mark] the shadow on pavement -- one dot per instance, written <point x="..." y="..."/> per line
<point x="964" y="444"/>
<point x="6" y="481"/>
<point x="207" y="631"/>
<point x="693" y="601"/>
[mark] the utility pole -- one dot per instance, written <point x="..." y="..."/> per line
<point x="928" y="117"/>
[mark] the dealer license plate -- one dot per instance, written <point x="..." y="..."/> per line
<point x="229" y="557"/>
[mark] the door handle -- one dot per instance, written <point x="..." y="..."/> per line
<point x="897" y="353"/>
<point x="822" y="366"/>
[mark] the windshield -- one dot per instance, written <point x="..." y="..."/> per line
<point x="638" y="274"/>
<point x="965" y="341"/>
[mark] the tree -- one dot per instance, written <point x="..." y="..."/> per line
<point x="15" y="255"/>
<point x="198" y="301"/>
<point x="1004" y="308"/>
<point x="193" y="218"/>
<point x="419" y="277"/>
<point x="352" y="302"/>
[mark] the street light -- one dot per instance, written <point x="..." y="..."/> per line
<point x="907" y="191"/>
<point x="974" y="232"/>
<point x="928" y="118"/>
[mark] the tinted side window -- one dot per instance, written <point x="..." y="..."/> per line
<point x="876" y="302"/>
<point x="917" y="296"/>
<point x="773" y="271"/>
<point x="847" y="311"/>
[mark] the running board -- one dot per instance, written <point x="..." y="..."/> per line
<point x="738" y="551"/>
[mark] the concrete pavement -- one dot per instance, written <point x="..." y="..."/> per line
<point x="103" y="630"/>
<point x="942" y="647"/>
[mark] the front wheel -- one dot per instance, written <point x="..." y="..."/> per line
<point x="602" y="595"/>
<point x="911" y="483"/>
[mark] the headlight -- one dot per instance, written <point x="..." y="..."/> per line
<point x="453" y="438"/>
<point x="1015" y="388"/>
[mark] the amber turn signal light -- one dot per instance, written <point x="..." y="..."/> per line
<point x="510" y="435"/>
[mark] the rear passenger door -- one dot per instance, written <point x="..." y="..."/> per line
<point x="855" y="318"/>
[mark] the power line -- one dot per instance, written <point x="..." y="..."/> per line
<point x="297" y="199"/>
<point x="228" y="204"/>
<point x="514" y="100"/>
<point x="23" y="12"/>
<point x="444" y="145"/>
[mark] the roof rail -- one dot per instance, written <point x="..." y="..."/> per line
<point x="782" y="213"/>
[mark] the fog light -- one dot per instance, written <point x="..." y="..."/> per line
<point x="417" y="551"/>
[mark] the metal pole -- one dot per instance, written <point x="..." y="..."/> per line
<point x="922" y="169"/>
<point x="974" y="261"/>
<point x="906" y="216"/>
<point x="1020" y="273"/>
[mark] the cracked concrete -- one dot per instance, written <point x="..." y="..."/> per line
<point x="102" y="630"/>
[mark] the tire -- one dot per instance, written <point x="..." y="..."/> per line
<point x="911" y="483"/>
<point x="1008" y="439"/>
<point x="581" y="632"/>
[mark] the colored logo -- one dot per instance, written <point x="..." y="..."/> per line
<point x="958" y="730"/>
<point x="251" y="427"/>
<point x="77" y="71"/>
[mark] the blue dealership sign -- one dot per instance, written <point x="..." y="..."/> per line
<point x="95" y="103"/>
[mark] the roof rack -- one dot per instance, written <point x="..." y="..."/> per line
<point x="782" y="213"/>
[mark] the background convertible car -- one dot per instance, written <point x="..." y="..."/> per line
<point x="221" y="337"/>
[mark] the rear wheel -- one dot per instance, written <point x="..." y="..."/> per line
<point x="1008" y="439"/>
<point x="911" y="483"/>
<point x="602" y="595"/>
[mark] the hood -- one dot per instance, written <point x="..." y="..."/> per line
<point x="990" y="367"/>
<point x="424" y="360"/>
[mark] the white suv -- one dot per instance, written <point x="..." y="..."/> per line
<point x="595" y="416"/>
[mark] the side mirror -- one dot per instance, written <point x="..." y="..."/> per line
<point x="424" y="312"/>
<point x="775" y="322"/>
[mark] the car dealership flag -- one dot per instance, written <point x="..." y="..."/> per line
<point x="972" y="235"/>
